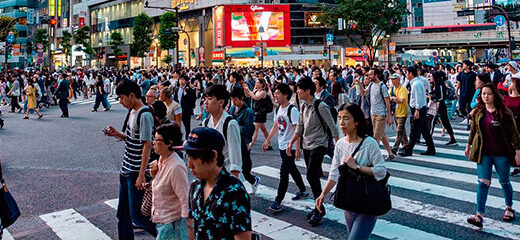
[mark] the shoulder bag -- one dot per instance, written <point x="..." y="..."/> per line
<point x="361" y="193"/>
<point x="9" y="210"/>
<point x="146" y="205"/>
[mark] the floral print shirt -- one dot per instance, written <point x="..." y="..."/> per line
<point x="226" y="211"/>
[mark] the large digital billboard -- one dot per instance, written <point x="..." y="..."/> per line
<point x="246" y="25"/>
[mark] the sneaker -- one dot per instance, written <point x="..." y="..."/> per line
<point x="428" y="153"/>
<point x="106" y="109"/>
<point x="394" y="151"/>
<point x="390" y="158"/>
<point x="255" y="186"/>
<point x="404" y="153"/>
<point x="464" y="122"/>
<point x="515" y="172"/>
<point x="310" y="214"/>
<point x="93" y="110"/>
<point x="316" y="217"/>
<point x="300" y="195"/>
<point x="275" y="207"/>
<point x="451" y="142"/>
<point x="1" y="123"/>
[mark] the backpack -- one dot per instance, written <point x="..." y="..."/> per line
<point x="243" y="147"/>
<point x="125" y="124"/>
<point x="288" y="112"/>
<point x="450" y="90"/>
<point x="380" y="90"/>
<point x="247" y="128"/>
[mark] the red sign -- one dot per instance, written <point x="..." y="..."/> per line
<point x="247" y="25"/>
<point x="81" y="22"/>
<point x="218" y="55"/>
<point x="353" y="52"/>
<point x="218" y="23"/>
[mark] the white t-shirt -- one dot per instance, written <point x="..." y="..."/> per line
<point x="286" y="126"/>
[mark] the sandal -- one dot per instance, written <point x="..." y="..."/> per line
<point x="473" y="221"/>
<point x="508" y="218"/>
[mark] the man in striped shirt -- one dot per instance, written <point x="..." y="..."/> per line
<point x="137" y="134"/>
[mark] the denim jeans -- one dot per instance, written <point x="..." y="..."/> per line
<point x="129" y="208"/>
<point x="288" y="167"/>
<point x="177" y="230"/>
<point x="359" y="226"/>
<point x="484" y="170"/>
<point x="105" y="100"/>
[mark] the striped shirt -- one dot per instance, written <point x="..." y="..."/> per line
<point x="134" y="140"/>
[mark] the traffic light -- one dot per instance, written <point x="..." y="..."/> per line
<point x="53" y="21"/>
<point x="8" y="49"/>
<point x="325" y="52"/>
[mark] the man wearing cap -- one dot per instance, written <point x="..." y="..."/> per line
<point x="220" y="207"/>
<point x="513" y="71"/>
<point x="399" y="95"/>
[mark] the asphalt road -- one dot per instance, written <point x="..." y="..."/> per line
<point x="57" y="164"/>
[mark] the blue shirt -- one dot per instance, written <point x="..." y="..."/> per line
<point x="417" y="94"/>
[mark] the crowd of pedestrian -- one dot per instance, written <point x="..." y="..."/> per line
<point x="317" y="112"/>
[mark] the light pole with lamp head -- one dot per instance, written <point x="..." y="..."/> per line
<point x="100" y="43"/>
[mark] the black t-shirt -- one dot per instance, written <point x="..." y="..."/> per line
<point x="467" y="83"/>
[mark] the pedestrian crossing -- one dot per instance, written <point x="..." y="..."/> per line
<point x="431" y="198"/>
<point x="92" y="100"/>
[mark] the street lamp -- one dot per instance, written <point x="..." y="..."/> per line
<point x="261" y="31"/>
<point x="100" y="43"/>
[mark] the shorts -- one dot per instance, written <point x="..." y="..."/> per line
<point x="378" y="122"/>
<point x="173" y="231"/>
<point x="260" y="117"/>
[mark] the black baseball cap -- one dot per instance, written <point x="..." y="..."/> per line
<point x="203" y="138"/>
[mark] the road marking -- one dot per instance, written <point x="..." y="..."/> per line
<point x="266" y="225"/>
<point x="440" y="160"/>
<point x="460" y="139"/>
<point x="438" y="149"/>
<point x="277" y="229"/>
<point x="459" y="131"/>
<point x="498" y="228"/>
<point x="7" y="235"/>
<point x="438" y="190"/>
<point x="69" y="224"/>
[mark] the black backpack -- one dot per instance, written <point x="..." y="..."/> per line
<point x="125" y="124"/>
<point x="288" y="112"/>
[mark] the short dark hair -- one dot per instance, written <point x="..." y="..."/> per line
<point x="159" y="109"/>
<point x="171" y="134"/>
<point x="284" y="90"/>
<point x="128" y="87"/>
<point x="484" y="77"/>
<point x="237" y="92"/>
<point x="359" y="117"/>
<point x="321" y="81"/>
<point x="206" y="156"/>
<point x="468" y="62"/>
<point x="219" y="91"/>
<point x="307" y="84"/>
<point x="412" y="70"/>
<point x="237" y="76"/>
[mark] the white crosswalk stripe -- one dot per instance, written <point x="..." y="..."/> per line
<point x="69" y="224"/>
<point x="7" y="235"/>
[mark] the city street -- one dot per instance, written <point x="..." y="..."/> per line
<point x="64" y="175"/>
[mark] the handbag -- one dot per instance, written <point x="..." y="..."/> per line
<point x="9" y="210"/>
<point x="146" y="205"/>
<point x="361" y="193"/>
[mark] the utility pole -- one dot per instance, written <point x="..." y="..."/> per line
<point x="509" y="44"/>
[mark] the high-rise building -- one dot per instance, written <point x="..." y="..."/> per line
<point x="18" y="9"/>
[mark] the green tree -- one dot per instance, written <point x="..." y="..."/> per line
<point x="168" y="39"/>
<point x="82" y="38"/>
<point x="42" y="37"/>
<point x="116" y="40"/>
<point x="373" y="19"/>
<point x="5" y="29"/>
<point x="168" y="59"/>
<point x="142" y="34"/>
<point x="66" y="43"/>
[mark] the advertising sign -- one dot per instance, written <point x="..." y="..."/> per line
<point x="52" y="8"/>
<point x="30" y="16"/>
<point x="202" y="54"/>
<point x="353" y="52"/>
<point x="247" y="24"/>
<point x="218" y="23"/>
<point x="81" y="22"/>
<point x="218" y="55"/>
<point x="311" y="19"/>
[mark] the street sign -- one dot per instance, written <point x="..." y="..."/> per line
<point x="434" y="53"/>
<point x="39" y="46"/>
<point x="39" y="61"/>
<point x="465" y="13"/>
<point x="40" y="54"/>
<point x="499" y="20"/>
<point x="329" y="37"/>
<point x="10" y="37"/>
<point x="365" y="56"/>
